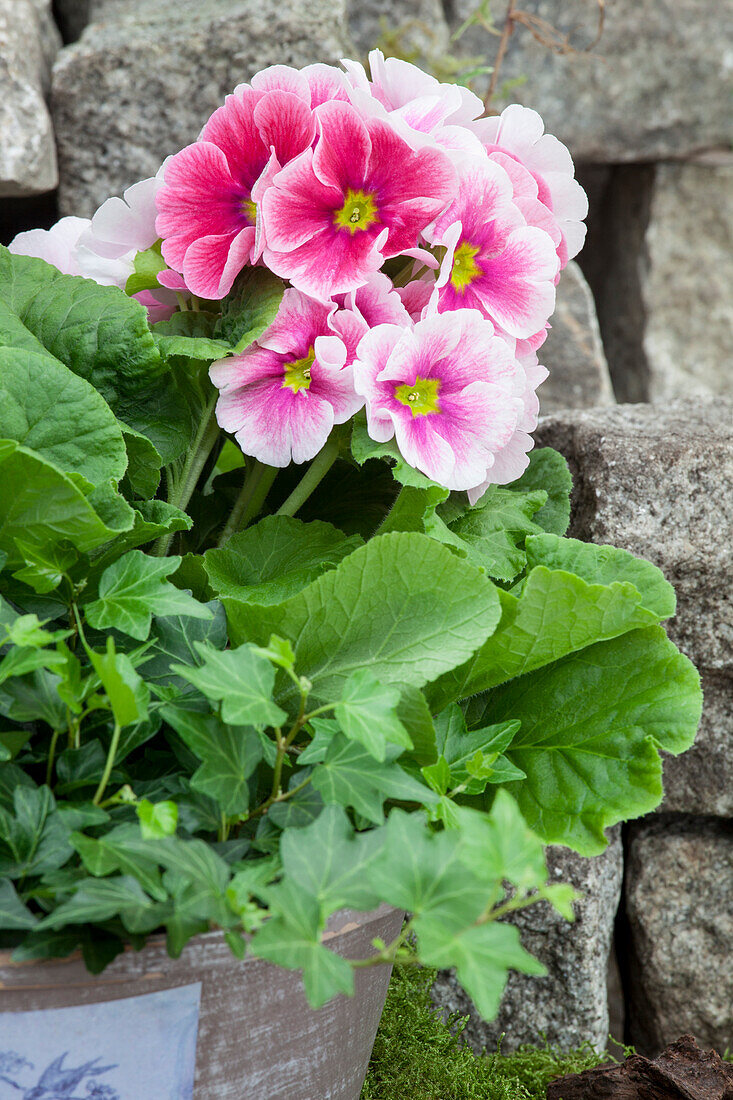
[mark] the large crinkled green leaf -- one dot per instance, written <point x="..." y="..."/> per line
<point x="250" y="307"/>
<point x="548" y="471"/>
<point x="42" y="505"/>
<point x="592" y="725"/>
<point x="402" y="606"/>
<point x="133" y="589"/>
<point x="556" y="613"/>
<point x="96" y="331"/>
<point x="603" y="565"/>
<point x="276" y="558"/>
<point x="493" y="531"/>
<point x="190" y="333"/>
<point x="50" y="410"/>
<point x="143" y="463"/>
<point x="151" y="519"/>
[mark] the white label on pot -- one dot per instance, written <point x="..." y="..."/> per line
<point x="138" y="1048"/>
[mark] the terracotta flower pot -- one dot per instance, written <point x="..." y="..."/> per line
<point x="202" y="1027"/>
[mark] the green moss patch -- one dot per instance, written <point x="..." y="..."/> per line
<point x="418" y="1055"/>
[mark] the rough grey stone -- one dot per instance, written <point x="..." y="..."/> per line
<point x="686" y="281"/>
<point x="140" y="86"/>
<point x="414" y="26"/>
<point x="656" y="481"/>
<point x="28" y="44"/>
<point x="679" y="901"/>
<point x="651" y="88"/>
<point x="573" y="352"/>
<point x="570" y="1004"/>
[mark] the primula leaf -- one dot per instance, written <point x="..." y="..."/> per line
<point x="591" y="727"/>
<point x="402" y="606"/>
<point x="548" y="471"/>
<point x="97" y="331"/>
<point x="59" y="416"/>
<point x="250" y="307"/>
<point x="276" y="558"/>
<point x="555" y="614"/>
<point x="133" y="589"/>
<point x="151" y="519"/>
<point x="190" y="334"/>
<point x="42" y="505"/>
<point x="350" y="776"/>
<point x="241" y="679"/>
<point x="143" y="463"/>
<point x="493" y="530"/>
<point x="363" y="448"/>
<point x="229" y="753"/>
<point x="291" y="937"/>
<point x="13" y="914"/>
<point x="604" y="565"/>
<point x="366" y="712"/>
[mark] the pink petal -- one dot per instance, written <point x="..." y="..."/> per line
<point x="286" y="124"/>
<point x="299" y="321"/>
<point x="343" y="148"/>
<point x="297" y="206"/>
<point x="325" y="83"/>
<point x="211" y="264"/>
<point x="234" y="130"/>
<point x="283" y="78"/>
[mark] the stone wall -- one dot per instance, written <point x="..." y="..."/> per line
<point x="647" y="317"/>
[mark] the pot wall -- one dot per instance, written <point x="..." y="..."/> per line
<point x="256" y="1037"/>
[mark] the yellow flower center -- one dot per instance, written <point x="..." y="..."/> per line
<point x="465" y="268"/>
<point x="358" y="212"/>
<point x="298" y="373"/>
<point x="249" y="209"/>
<point x="421" y="397"/>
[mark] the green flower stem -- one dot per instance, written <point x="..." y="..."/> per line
<point x="109" y="765"/>
<point x="313" y="476"/>
<point x="249" y="502"/>
<point x="181" y="491"/>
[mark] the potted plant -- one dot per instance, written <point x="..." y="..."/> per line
<point x="292" y="638"/>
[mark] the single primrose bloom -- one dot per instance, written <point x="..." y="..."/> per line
<point x="282" y="396"/>
<point x="362" y="194"/>
<point x="207" y="215"/>
<point x="494" y="261"/>
<point x="448" y="390"/>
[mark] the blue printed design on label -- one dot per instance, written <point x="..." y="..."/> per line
<point x="130" y="1049"/>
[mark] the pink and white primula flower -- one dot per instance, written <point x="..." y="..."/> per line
<point x="518" y="134"/>
<point x="282" y="396"/>
<point x="493" y="260"/>
<point x="334" y="214"/>
<point x="449" y="391"/>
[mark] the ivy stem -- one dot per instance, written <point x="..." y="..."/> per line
<point x="51" y="754"/>
<point x="313" y="476"/>
<point x="199" y="451"/>
<point x="109" y="765"/>
<point x="249" y="502"/>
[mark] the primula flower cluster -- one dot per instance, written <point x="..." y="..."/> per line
<point x="421" y="245"/>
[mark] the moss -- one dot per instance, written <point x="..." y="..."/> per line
<point x="419" y="1056"/>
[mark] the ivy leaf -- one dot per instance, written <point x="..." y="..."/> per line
<point x="275" y="558"/>
<point x="46" y="564"/>
<point x="555" y="613"/>
<point x="548" y="471"/>
<point x="402" y="606"/>
<point x="366" y="712"/>
<point x="133" y="589"/>
<point x="470" y="758"/>
<point x="127" y="693"/>
<point x="241" y="679"/>
<point x="34" y="839"/>
<point x="99" y="899"/>
<point x="14" y="915"/>
<point x="111" y="853"/>
<point x="250" y="307"/>
<point x="157" y="819"/>
<point x="230" y="754"/>
<point x="151" y="518"/>
<point x="592" y="725"/>
<point x="175" y="638"/>
<point x="291" y="937"/>
<point x="28" y="698"/>
<point x="350" y="776"/>
<point x="329" y="861"/>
